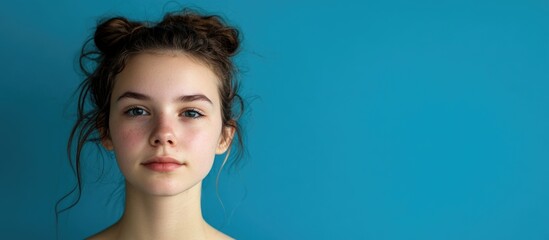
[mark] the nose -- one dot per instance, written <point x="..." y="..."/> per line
<point x="163" y="134"/>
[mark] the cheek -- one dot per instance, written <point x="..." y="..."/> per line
<point x="200" y="141"/>
<point x="199" y="147"/>
<point x="126" y="139"/>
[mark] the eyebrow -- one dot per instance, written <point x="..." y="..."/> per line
<point x="134" y="95"/>
<point x="184" y="98"/>
<point x="195" y="97"/>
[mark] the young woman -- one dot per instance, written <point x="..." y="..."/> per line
<point x="162" y="98"/>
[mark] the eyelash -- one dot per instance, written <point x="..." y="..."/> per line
<point x="198" y="113"/>
<point x="130" y="112"/>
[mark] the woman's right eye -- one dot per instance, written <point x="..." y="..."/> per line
<point x="136" y="111"/>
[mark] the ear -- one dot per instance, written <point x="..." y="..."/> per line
<point x="225" y="139"/>
<point x="107" y="143"/>
<point x="106" y="140"/>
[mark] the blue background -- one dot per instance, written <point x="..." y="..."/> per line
<point x="371" y="119"/>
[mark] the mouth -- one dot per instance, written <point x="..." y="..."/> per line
<point x="162" y="164"/>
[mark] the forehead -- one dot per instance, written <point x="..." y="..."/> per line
<point x="167" y="74"/>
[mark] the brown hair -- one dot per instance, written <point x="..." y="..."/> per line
<point x="206" y="38"/>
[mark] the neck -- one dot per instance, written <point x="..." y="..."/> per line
<point x="162" y="217"/>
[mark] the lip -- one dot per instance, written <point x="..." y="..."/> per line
<point x="162" y="164"/>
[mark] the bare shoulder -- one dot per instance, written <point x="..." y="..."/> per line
<point x="111" y="233"/>
<point x="107" y="234"/>
<point x="223" y="236"/>
<point x="217" y="235"/>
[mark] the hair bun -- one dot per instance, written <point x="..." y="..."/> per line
<point x="112" y="33"/>
<point x="215" y="29"/>
<point x="229" y="39"/>
<point x="211" y="29"/>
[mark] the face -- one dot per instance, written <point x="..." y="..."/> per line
<point x="165" y="122"/>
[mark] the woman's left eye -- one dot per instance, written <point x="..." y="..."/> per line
<point x="192" y="114"/>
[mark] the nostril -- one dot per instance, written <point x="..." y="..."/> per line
<point x="161" y="142"/>
<point x="166" y="139"/>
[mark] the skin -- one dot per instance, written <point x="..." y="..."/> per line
<point x="150" y="119"/>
